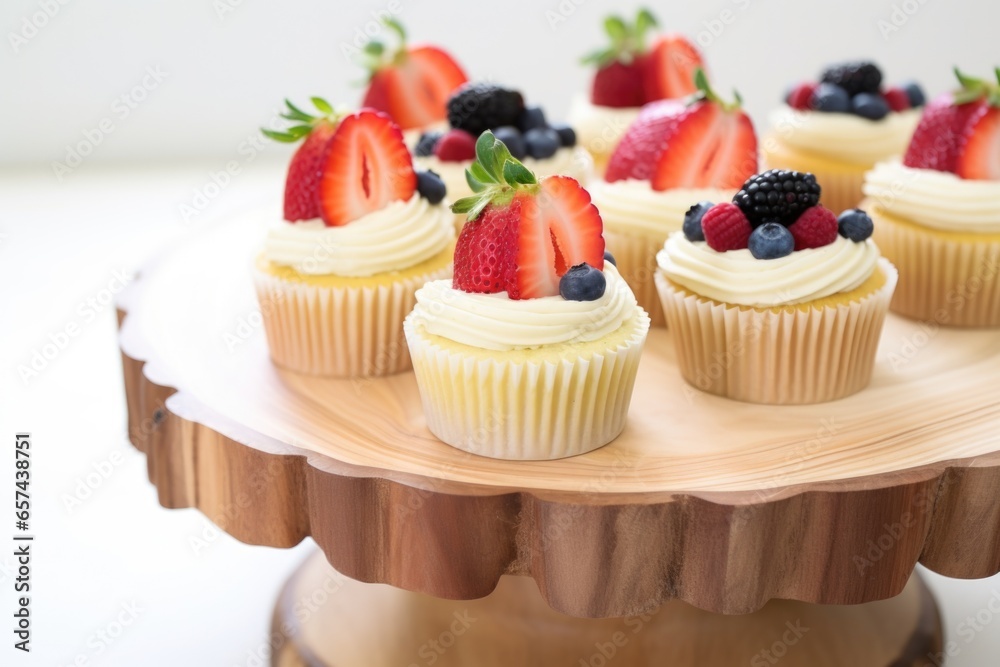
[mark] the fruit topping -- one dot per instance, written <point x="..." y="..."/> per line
<point x="430" y="186"/>
<point x="815" y="228"/>
<point x="870" y="105"/>
<point x="692" y="221"/>
<point x="609" y="258"/>
<point x="410" y="83"/>
<point x="771" y="241"/>
<point x="854" y="88"/>
<point x="778" y="195"/>
<point x="801" y="96"/>
<point x="456" y="146"/>
<point x="582" y="283"/>
<point x="427" y="142"/>
<point x="477" y="107"/>
<point x="541" y="143"/>
<point x="855" y="77"/>
<point x="704" y="143"/>
<point x="855" y="224"/>
<point x="725" y="228"/>
<point x="522" y="234"/>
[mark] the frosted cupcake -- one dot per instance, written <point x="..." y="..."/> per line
<point x="410" y="83"/>
<point x="362" y="231"/>
<point x="674" y="154"/>
<point x="630" y="73"/>
<point x="839" y="128"/>
<point x="938" y="211"/>
<point x="531" y="351"/>
<point x="775" y="299"/>
<point x="545" y="148"/>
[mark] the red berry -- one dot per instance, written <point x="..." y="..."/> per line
<point x="897" y="99"/>
<point x="618" y="85"/>
<point x="414" y="89"/>
<point x="456" y="146"/>
<point x="801" y="96"/>
<point x="726" y="228"/>
<point x="486" y="250"/>
<point x="815" y="228"/>
<point x="669" y="67"/>
<point x="304" y="172"/>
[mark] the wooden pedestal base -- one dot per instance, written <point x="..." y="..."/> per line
<point x="324" y="619"/>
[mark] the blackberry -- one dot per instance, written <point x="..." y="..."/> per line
<point x="778" y="195"/>
<point x="477" y="107"/>
<point x="858" y="77"/>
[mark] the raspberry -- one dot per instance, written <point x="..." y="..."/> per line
<point x="815" y="228"/>
<point x="726" y="228"/>
<point x="800" y="96"/>
<point x="898" y="99"/>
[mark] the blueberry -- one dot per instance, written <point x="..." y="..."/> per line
<point x="870" y="105"/>
<point x="541" y="143"/>
<point x="915" y="93"/>
<point x="855" y="225"/>
<point x="532" y="118"/>
<point x="427" y="142"/>
<point x="513" y="139"/>
<point x="567" y="135"/>
<point x="608" y="257"/>
<point x="582" y="283"/>
<point x="771" y="241"/>
<point x="430" y="186"/>
<point x="831" y="98"/>
<point x="692" y="221"/>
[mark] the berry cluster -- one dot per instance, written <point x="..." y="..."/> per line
<point x="478" y="107"/>
<point x="854" y="88"/>
<point x="773" y="215"/>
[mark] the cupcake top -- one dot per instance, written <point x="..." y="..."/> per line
<point x="949" y="178"/>
<point x="773" y="245"/>
<point x="849" y="114"/>
<point x="633" y="71"/>
<point x="410" y="83"/>
<point x="530" y="266"/>
<point x="354" y="206"/>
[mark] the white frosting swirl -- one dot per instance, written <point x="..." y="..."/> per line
<point x="843" y="136"/>
<point x="495" y="322"/>
<point x="396" y="237"/>
<point x="935" y="199"/>
<point x="575" y="162"/>
<point x="736" y="277"/>
<point x="633" y="206"/>
<point x="599" y="129"/>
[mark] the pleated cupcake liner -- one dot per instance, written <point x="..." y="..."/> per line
<point x="533" y="405"/>
<point x="948" y="279"/>
<point x="781" y="356"/>
<point x="339" y="331"/>
<point x="635" y="257"/>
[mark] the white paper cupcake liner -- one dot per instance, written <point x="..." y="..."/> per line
<point x="527" y="405"/>
<point x="344" y="332"/>
<point x="635" y="257"/>
<point x="948" y="279"/>
<point x="776" y="356"/>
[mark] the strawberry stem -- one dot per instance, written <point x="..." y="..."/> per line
<point x="628" y="40"/>
<point x="974" y="89"/>
<point x="305" y="122"/>
<point x="495" y="177"/>
<point x="705" y="92"/>
<point x="378" y="56"/>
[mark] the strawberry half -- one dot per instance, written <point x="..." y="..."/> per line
<point x="620" y="77"/>
<point x="367" y="166"/>
<point x="305" y="169"/>
<point x="412" y="83"/>
<point x="522" y="234"/>
<point x="959" y="132"/>
<point x="669" y="69"/>
<point x="706" y="143"/>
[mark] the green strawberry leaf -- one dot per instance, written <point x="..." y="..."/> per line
<point x="322" y="105"/>
<point x="279" y="136"/>
<point x="643" y="22"/>
<point x="396" y="27"/>
<point x="515" y="172"/>
<point x="480" y="174"/>
<point x="374" y="48"/>
<point x="616" y="29"/>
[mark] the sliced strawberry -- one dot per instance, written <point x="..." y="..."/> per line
<point x="304" y="173"/>
<point x="710" y="148"/>
<point x="618" y="85"/>
<point x="486" y="250"/>
<point x="559" y="228"/>
<point x="979" y="158"/>
<point x="367" y="166"/>
<point x="704" y="144"/>
<point x="619" y="81"/>
<point x="668" y="71"/>
<point x="412" y="83"/>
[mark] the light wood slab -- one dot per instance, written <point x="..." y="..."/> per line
<point x="722" y="504"/>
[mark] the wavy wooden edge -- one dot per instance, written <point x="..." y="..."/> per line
<point x="592" y="555"/>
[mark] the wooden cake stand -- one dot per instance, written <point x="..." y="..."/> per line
<point x="711" y="533"/>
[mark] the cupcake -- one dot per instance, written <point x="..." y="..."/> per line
<point x="673" y="155"/>
<point x="362" y="231"/>
<point x="410" y="83"/>
<point x="938" y="210"/>
<point x="841" y="127"/>
<point x="775" y="299"/>
<point x="531" y="351"/>
<point x="629" y="74"/>
<point x="545" y="149"/>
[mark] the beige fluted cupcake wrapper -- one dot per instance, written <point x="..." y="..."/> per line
<point x="339" y="331"/>
<point x="776" y="356"/>
<point x="527" y="405"/>
<point x="947" y="279"/>
<point x="635" y="257"/>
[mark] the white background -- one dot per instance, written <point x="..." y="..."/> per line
<point x="63" y="240"/>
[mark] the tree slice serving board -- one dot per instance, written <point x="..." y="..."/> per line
<point x="724" y="505"/>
